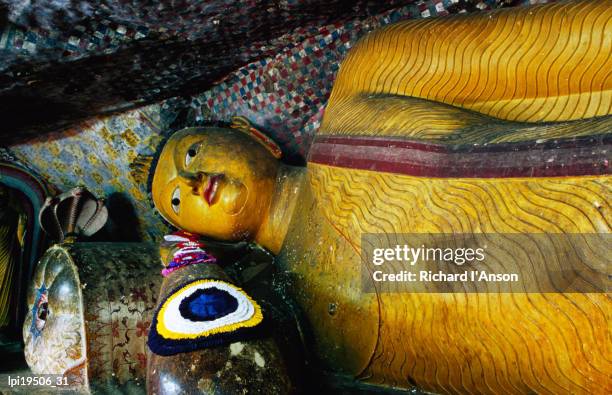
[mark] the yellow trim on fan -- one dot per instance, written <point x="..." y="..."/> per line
<point x="168" y="334"/>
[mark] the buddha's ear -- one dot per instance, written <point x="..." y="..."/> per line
<point x="243" y="124"/>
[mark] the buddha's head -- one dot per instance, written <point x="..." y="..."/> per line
<point x="215" y="182"/>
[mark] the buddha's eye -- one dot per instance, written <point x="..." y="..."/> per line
<point x="176" y="200"/>
<point x="191" y="153"/>
<point x="42" y="313"/>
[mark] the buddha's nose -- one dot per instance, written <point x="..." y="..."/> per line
<point x="194" y="180"/>
<point x="191" y="177"/>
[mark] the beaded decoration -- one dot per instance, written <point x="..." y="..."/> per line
<point x="200" y="314"/>
<point x="189" y="252"/>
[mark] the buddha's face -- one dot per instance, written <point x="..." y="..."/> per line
<point x="214" y="182"/>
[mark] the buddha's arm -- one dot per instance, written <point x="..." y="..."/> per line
<point x="419" y="119"/>
<point x="534" y="64"/>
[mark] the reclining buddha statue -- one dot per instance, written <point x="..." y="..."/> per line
<point x="492" y="123"/>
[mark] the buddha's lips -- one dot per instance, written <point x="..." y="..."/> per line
<point x="211" y="188"/>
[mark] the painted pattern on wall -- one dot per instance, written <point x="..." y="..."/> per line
<point x="97" y="154"/>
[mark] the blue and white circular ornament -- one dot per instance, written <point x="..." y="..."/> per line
<point x="200" y="314"/>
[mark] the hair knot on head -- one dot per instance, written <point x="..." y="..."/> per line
<point x="242" y="124"/>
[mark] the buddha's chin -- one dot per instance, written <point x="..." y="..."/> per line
<point x="225" y="234"/>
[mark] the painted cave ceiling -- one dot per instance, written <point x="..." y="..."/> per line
<point x="71" y="60"/>
<point x="86" y="86"/>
